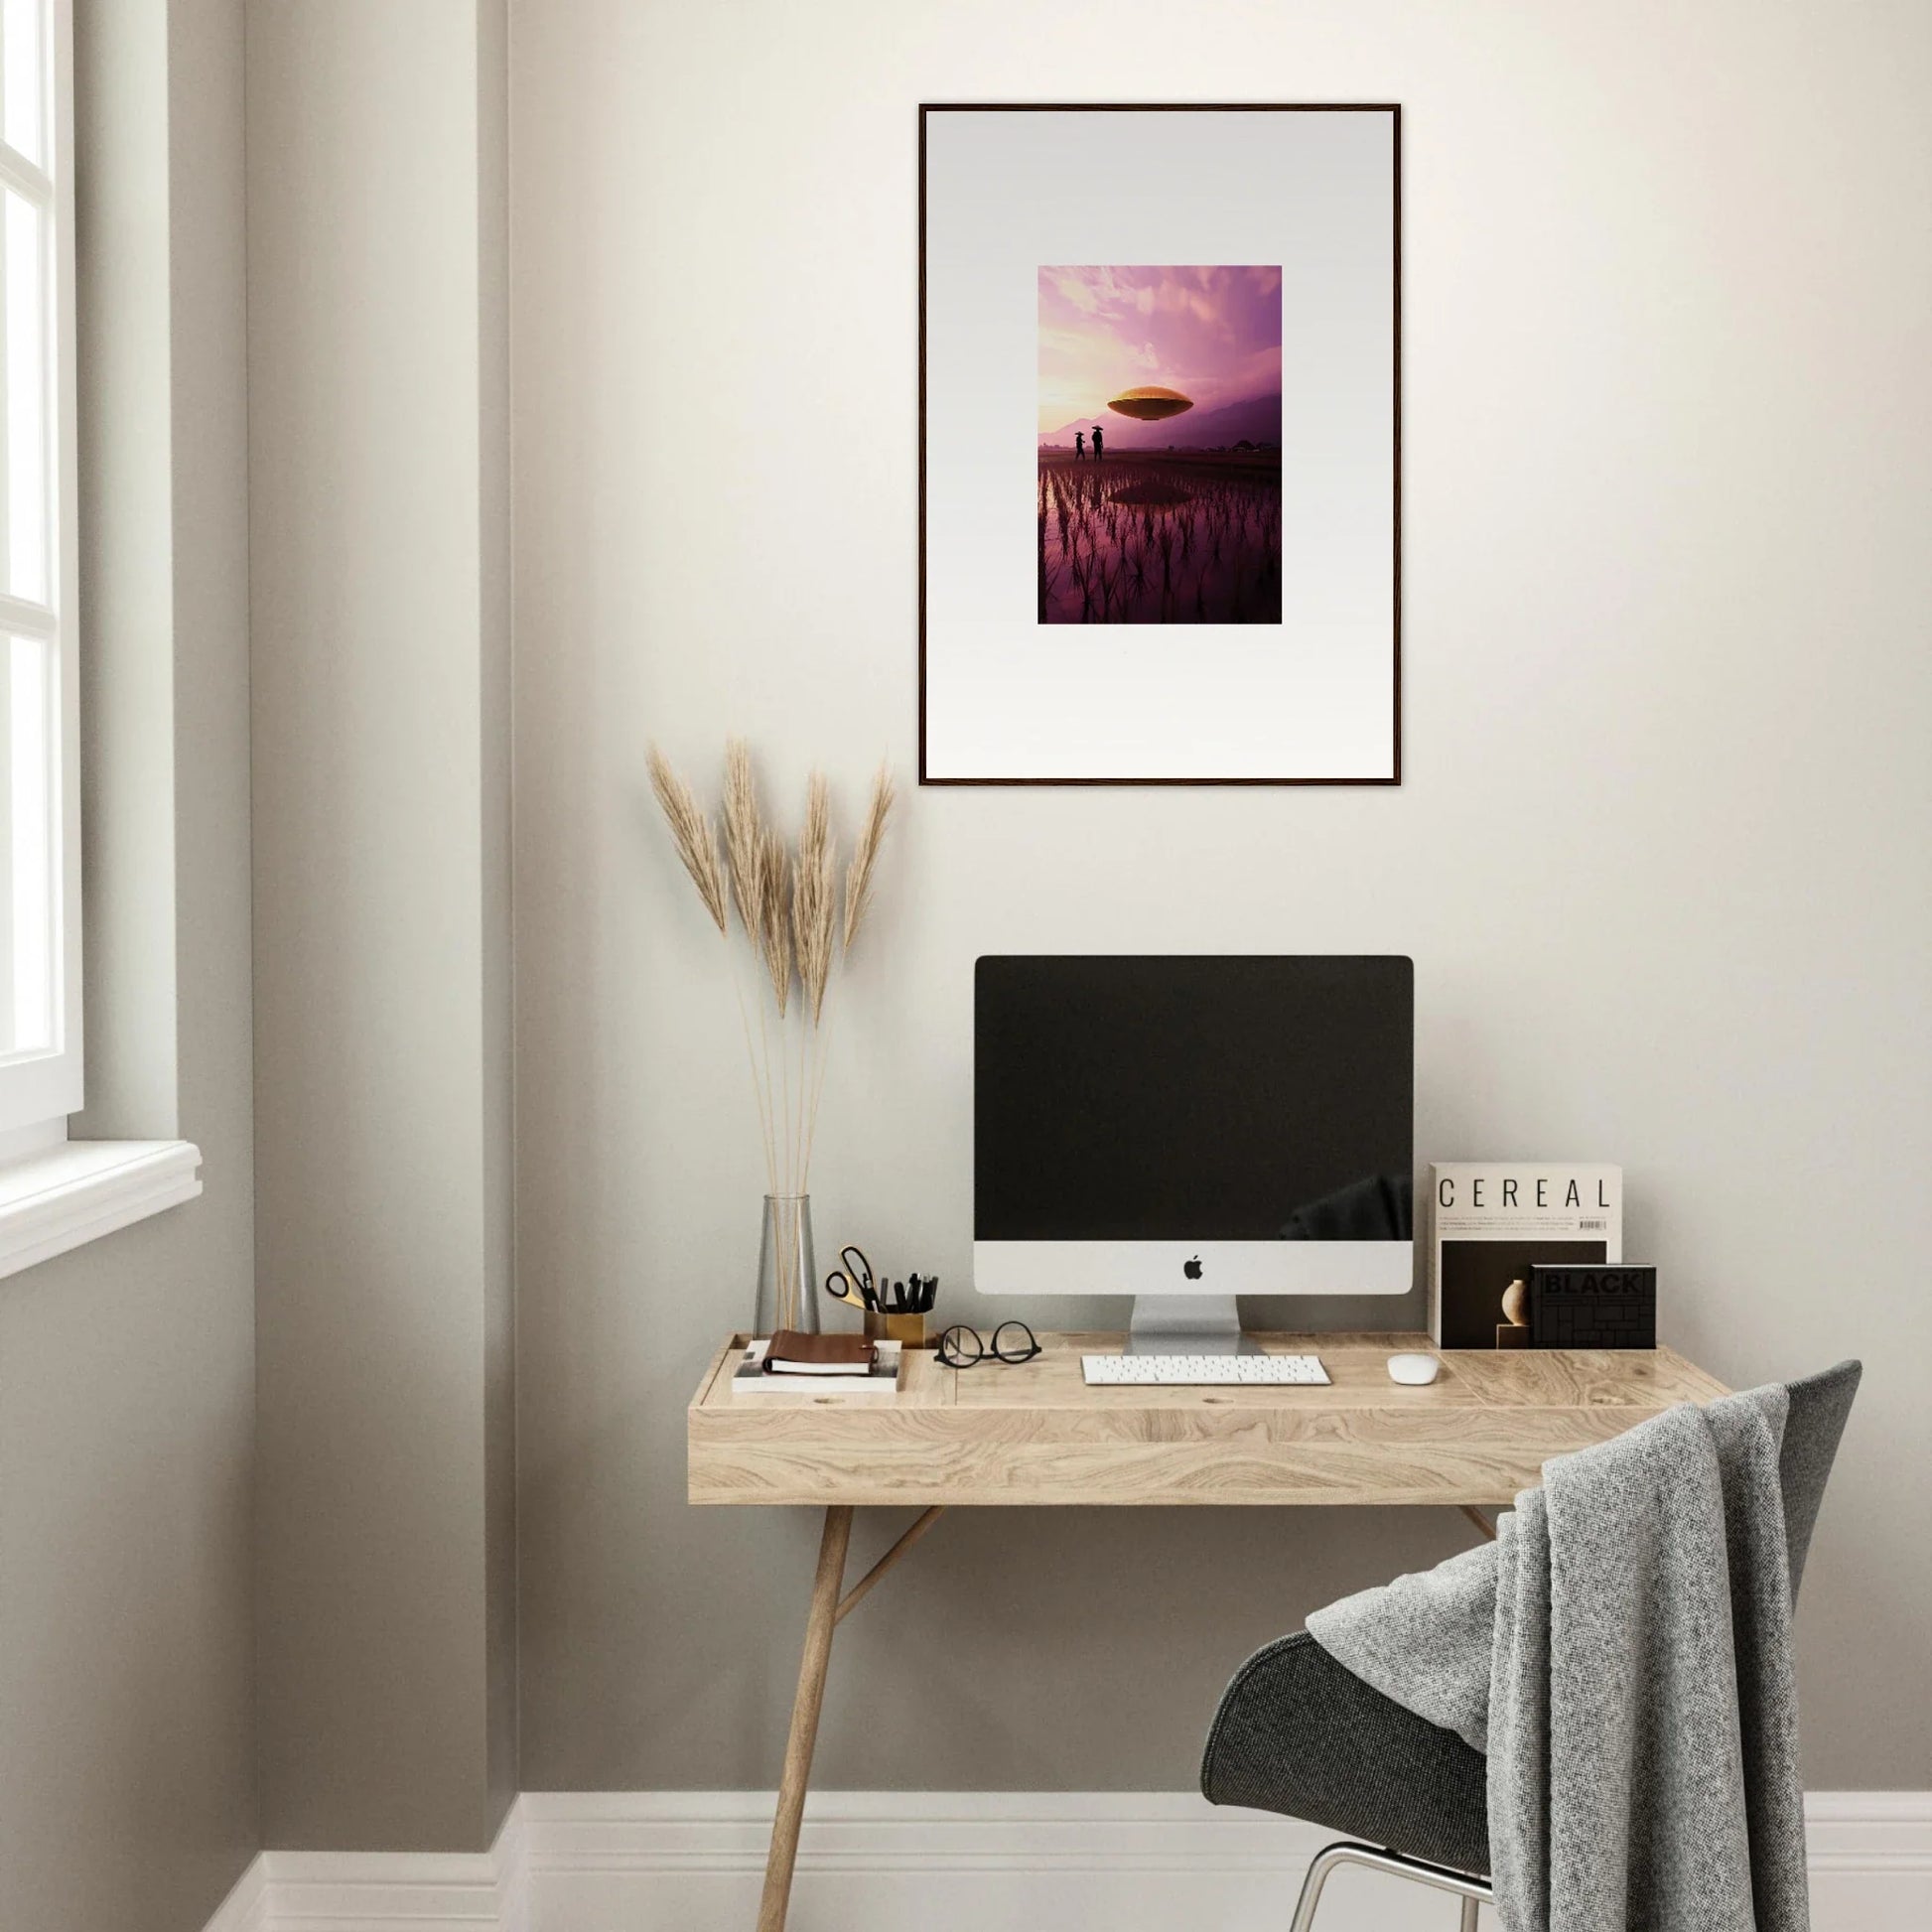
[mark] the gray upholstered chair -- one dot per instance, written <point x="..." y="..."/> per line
<point x="1298" y="1734"/>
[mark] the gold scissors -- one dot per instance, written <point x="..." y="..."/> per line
<point x="853" y="1280"/>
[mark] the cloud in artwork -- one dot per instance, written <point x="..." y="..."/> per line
<point x="1213" y="332"/>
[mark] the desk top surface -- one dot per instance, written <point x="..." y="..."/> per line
<point x="1034" y="1434"/>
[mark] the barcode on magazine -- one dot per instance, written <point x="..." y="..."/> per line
<point x="1597" y="1226"/>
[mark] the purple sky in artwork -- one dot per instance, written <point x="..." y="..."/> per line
<point x="1213" y="334"/>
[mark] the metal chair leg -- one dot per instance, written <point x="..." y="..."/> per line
<point x="1472" y="1891"/>
<point x="1319" y="1871"/>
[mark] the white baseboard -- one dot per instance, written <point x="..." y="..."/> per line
<point x="246" y="1909"/>
<point x="955" y="1862"/>
<point x="385" y="1891"/>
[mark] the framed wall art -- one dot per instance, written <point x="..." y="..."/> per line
<point x="1159" y="361"/>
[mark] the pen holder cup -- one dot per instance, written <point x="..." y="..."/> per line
<point x="908" y="1329"/>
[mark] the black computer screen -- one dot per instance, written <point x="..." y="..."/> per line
<point x="1235" y="1098"/>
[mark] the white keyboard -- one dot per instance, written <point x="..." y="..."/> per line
<point x="1201" y="1371"/>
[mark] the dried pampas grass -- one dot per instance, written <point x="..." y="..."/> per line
<point x="814" y="896"/>
<point x="691" y="833"/>
<point x="744" y="834"/>
<point x="775" y="917"/>
<point x="865" y="855"/>
<point x="788" y="907"/>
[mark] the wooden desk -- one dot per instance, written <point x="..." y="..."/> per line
<point x="1034" y="1434"/>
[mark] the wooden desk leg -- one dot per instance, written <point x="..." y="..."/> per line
<point x="1478" y="1519"/>
<point x="819" y="1622"/>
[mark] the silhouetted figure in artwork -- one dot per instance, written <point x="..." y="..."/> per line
<point x="1079" y="446"/>
<point x="1099" y="445"/>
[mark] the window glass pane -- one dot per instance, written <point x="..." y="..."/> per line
<point x="23" y="45"/>
<point x="27" y="1016"/>
<point x="26" y="399"/>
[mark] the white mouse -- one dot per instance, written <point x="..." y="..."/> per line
<point x="1414" y="1369"/>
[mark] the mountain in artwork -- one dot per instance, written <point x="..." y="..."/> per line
<point x="1258" y="419"/>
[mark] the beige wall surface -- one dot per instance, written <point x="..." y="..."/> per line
<point x="128" y="1753"/>
<point x="1660" y="855"/>
<point x="378" y="448"/>
<point x="495" y="832"/>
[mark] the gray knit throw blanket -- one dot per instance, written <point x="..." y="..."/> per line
<point x="1622" y="1652"/>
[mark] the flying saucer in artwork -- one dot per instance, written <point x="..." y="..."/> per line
<point x="1150" y="405"/>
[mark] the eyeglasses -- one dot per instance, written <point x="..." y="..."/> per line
<point x="1012" y="1341"/>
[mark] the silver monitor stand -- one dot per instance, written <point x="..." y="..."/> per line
<point x="1186" y="1325"/>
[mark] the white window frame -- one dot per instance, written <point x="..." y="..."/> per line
<point x="40" y="1088"/>
<point x="55" y="1193"/>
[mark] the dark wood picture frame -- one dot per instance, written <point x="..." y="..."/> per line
<point x="1391" y="108"/>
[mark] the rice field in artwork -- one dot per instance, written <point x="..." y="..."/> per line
<point x="1192" y="538"/>
<point x="1159" y="483"/>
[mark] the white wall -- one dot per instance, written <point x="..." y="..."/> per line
<point x="1660" y="854"/>
<point x="127" y="1744"/>
<point x="380" y="614"/>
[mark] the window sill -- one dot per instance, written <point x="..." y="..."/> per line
<point x="77" y="1192"/>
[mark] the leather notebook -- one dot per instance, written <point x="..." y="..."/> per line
<point x="793" y="1353"/>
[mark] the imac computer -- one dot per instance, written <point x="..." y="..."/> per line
<point x="1189" y="1129"/>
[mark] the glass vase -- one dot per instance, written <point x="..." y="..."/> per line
<point x="787" y="1270"/>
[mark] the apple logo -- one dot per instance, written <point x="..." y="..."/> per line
<point x="1191" y="1269"/>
